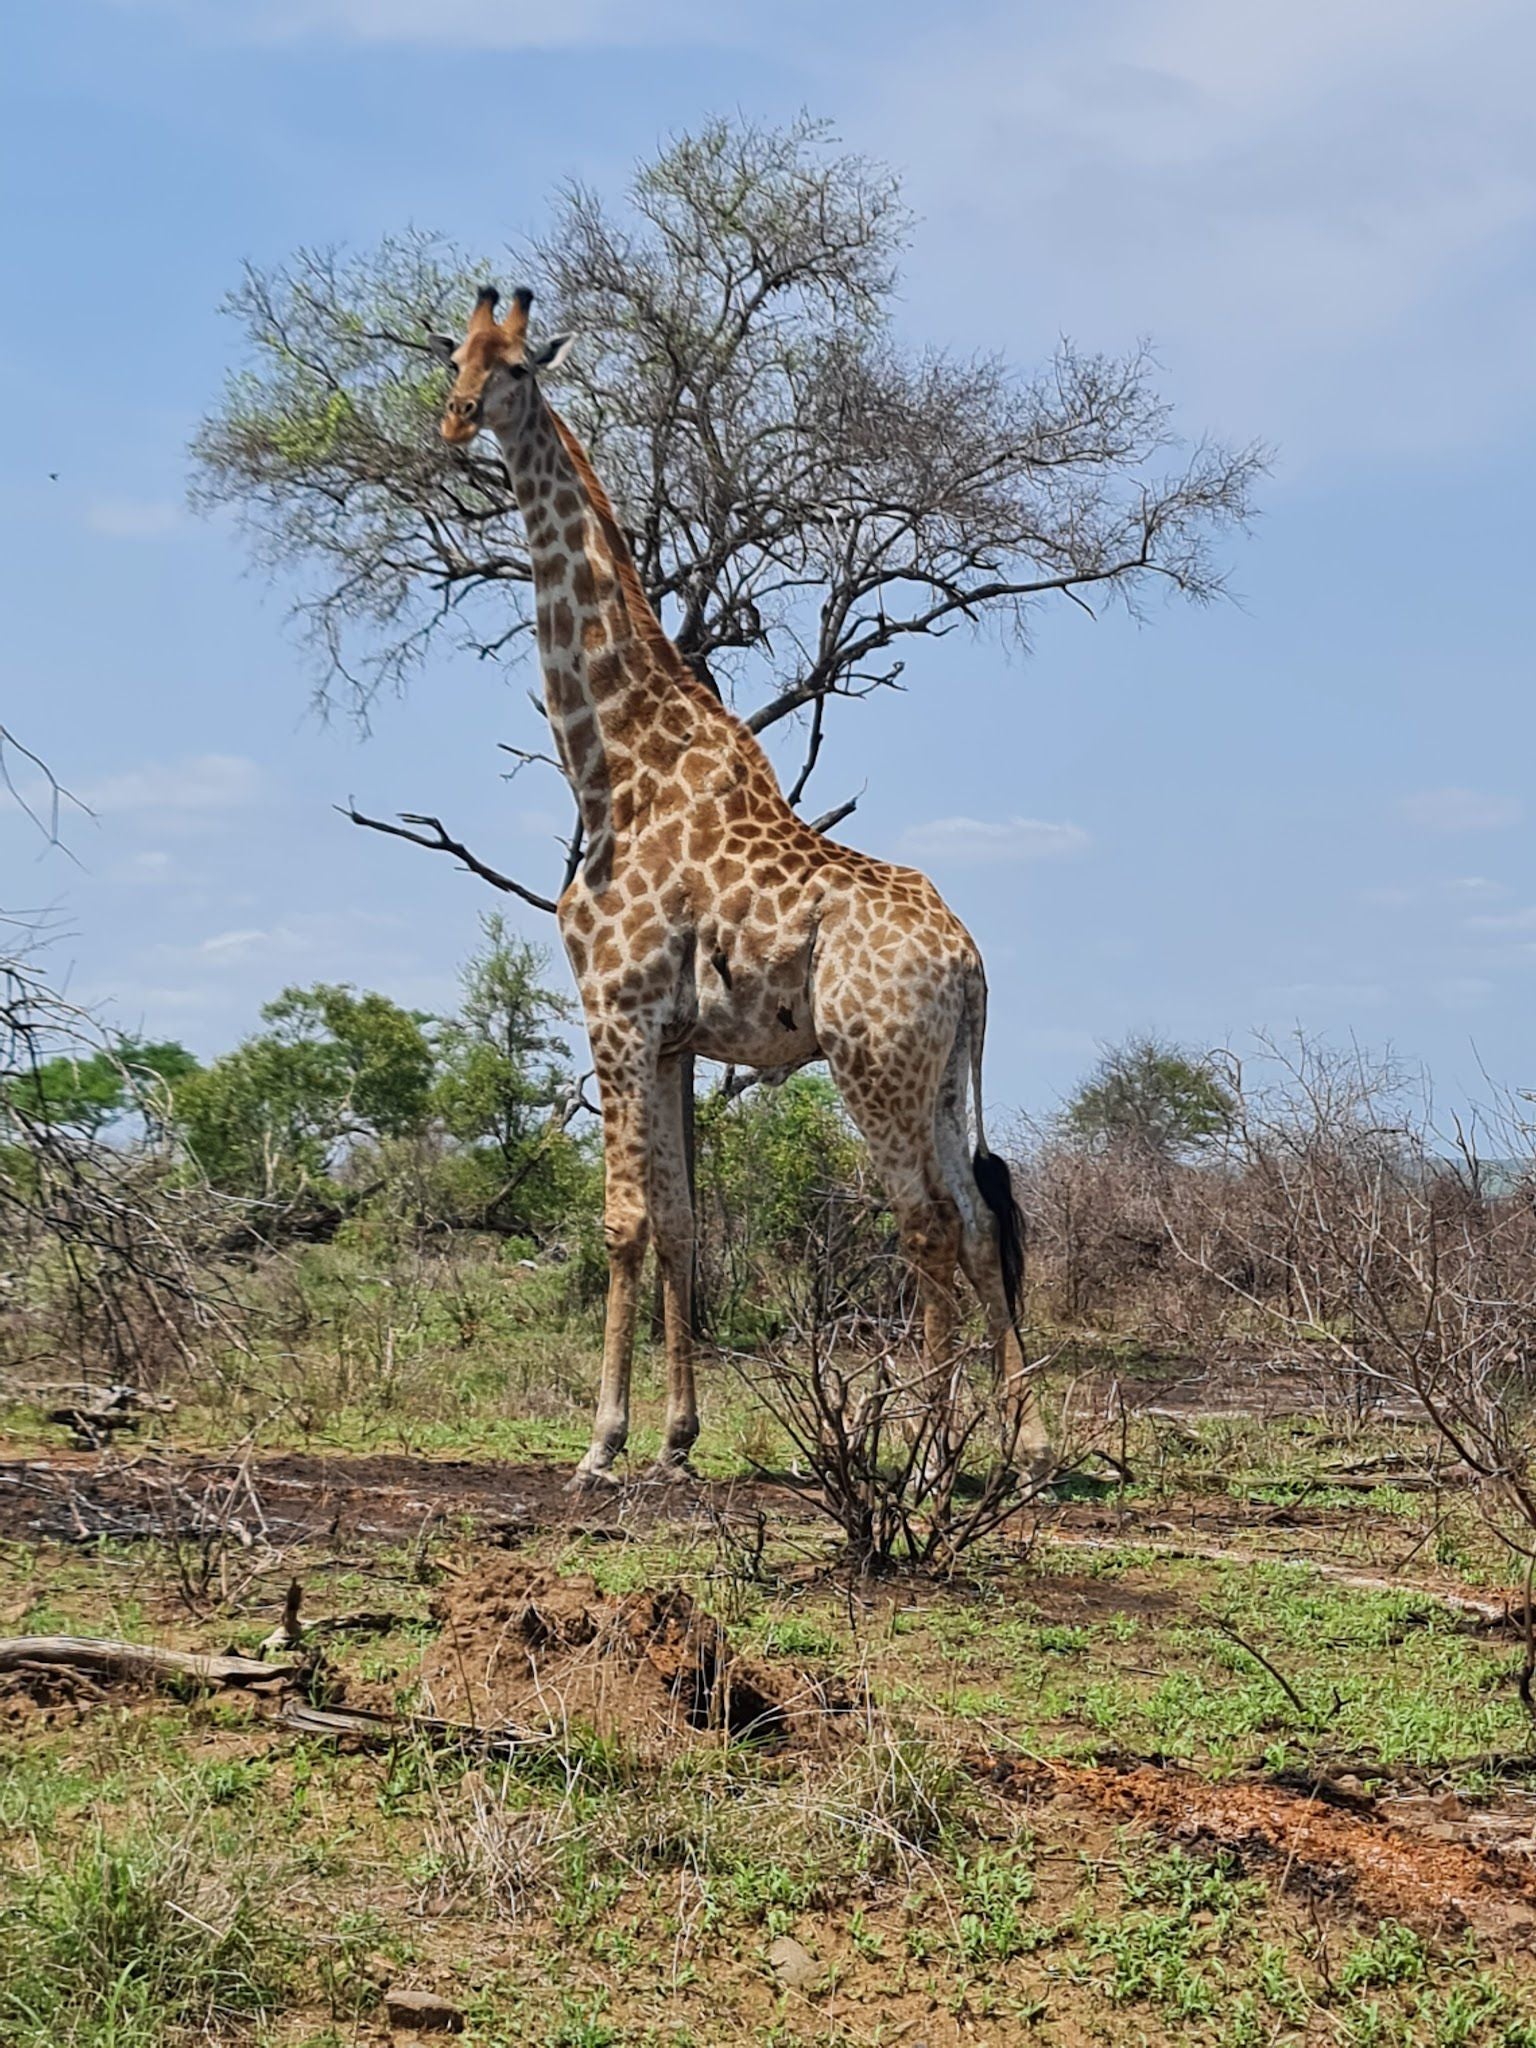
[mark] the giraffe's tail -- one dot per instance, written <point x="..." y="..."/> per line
<point x="994" y="1183"/>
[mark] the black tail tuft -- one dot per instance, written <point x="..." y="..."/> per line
<point x="996" y="1186"/>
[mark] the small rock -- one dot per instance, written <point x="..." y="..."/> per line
<point x="794" y="1966"/>
<point x="423" y="2011"/>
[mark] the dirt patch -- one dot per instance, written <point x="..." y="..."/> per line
<point x="312" y="1497"/>
<point x="1365" y="1856"/>
<point x="1071" y="1597"/>
<point x="651" y="1669"/>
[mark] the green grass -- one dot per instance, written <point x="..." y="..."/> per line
<point x="1389" y="1680"/>
<point x="131" y="1940"/>
<point x="586" y="1895"/>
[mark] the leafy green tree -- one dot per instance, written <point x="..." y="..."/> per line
<point x="87" y="1094"/>
<point x="1153" y="1096"/>
<point x="504" y="1062"/>
<point x="769" y="1164"/>
<point x="770" y="1158"/>
<point x="83" y="1095"/>
<point x="378" y="1057"/>
<point x="272" y="1117"/>
<point x="505" y="1089"/>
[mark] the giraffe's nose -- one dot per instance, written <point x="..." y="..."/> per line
<point x="461" y="416"/>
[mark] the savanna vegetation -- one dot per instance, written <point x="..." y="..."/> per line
<point x="1223" y="1736"/>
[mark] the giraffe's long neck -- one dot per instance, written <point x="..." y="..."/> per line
<point x="609" y="669"/>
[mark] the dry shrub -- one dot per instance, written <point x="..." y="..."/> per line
<point x="1099" y="1256"/>
<point x="1401" y="1260"/>
<point x="913" y="1464"/>
<point x="1339" y="1234"/>
<point x="109" y="1253"/>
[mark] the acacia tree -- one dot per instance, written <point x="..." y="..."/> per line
<point x="505" y="1090"/>
<point x="806" y="495"/>
<point x="270" y="1119"/>
<point x="1152" y="1098"/>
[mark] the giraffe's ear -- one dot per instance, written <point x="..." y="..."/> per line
<point x="442" y="345"/>
<point x="553" y="353"/>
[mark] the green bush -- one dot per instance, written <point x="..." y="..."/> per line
<point x="130" y="1943"/>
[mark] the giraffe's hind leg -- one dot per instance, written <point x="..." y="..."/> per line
<point x="891" y="1099"/>
<point x="1029" y="1446"/>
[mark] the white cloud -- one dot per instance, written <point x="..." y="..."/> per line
<point x="1505" y="921"/>
<point x="132" y="518"/>
<point x="1310" y="204"/>
<point x="1463" y="992"/>
<point x="976" y="842"/>
<point x="204" y="782"/>
<point x="293" y="942"/>
<point x="1461" y="810"/>
<point x="235" y="945"/>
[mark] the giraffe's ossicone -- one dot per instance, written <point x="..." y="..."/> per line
<point x="708" y="918"/>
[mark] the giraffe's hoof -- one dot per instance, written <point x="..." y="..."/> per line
<point x="593" y="1479"/>
<point x="1032" y="1476"/>
<point x="672" y="1472"/>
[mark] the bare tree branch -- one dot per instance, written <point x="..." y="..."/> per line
<point x="805" y="497"/>
<point x="835" y="816"/>
<point x="57" y="796"/>
<point x="437" y="840"/>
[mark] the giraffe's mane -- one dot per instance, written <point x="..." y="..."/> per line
<point x="641" y="613"/>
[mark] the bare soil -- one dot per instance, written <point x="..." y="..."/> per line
<point x="1409" y="1860"/>
<point x="535" y="1651"/>
<point x="525" y="1647"/>
<point x="77" y="1496"/>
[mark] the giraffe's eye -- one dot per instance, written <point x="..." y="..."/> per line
<point x="517" y="369"/>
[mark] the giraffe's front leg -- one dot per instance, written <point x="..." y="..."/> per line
<point x="626" y="1086"/>
<point x="672" y="1226"/>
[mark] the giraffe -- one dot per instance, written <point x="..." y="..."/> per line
<point x="707" y="917"/>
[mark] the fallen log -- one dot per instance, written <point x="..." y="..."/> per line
<point x="93" y="1418"/>
<point x="374" y="1730"/>
<point x="103" y="1657"/>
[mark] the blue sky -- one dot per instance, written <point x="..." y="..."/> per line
<point x="1313" y="805"/>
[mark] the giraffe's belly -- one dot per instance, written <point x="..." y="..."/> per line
<point x="756" y="1015"/>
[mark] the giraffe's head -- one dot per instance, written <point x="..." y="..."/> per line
<point x="493" y="387"/>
